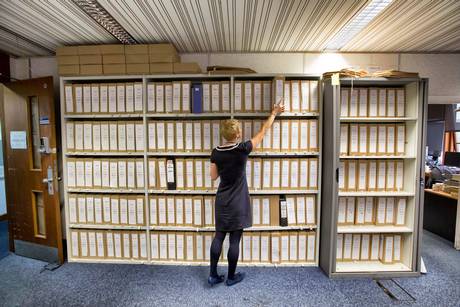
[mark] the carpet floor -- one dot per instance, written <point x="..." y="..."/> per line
<point x="23" y="283"/>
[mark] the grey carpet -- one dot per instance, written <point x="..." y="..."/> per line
<point x="22" y="284"/>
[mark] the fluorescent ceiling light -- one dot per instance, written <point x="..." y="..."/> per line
<point x="96" y="11"/>
<point x="358" y="23"/>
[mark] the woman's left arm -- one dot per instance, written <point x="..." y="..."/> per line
<point x="213" y="171"/>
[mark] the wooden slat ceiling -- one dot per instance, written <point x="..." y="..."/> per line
<point x="235" y="26"/>
<point x="232" y="25"/>
<point x="49" y="24"/>
<point x="412" y="25"/>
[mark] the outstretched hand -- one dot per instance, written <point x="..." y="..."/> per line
<point x="278" y="107"/>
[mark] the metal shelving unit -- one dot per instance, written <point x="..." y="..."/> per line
<point x="145" y="154"/>
<point x="413" y="162"/>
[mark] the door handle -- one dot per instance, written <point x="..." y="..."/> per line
<point x="49" y="180"/>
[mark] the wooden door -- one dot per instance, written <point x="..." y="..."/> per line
<point x="31" y="169"/>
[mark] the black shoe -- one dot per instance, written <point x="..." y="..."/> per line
<point x="236" y="279"/>
<point x="215" y="280"/>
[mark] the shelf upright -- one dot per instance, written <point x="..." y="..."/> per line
<point x="414" y="121"/>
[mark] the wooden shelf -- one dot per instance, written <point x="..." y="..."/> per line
<point x="105" y="153"/>
<point x="104" y="116"/>
<point x="377" y="119"/>
<point x="441" y="193"/>
<point x="284" y="114"/>
<point x="369" y="266"/>
<point x="109" y="191"/>
<point x="373" y="229"/>
<point x="378" y="157"/>
<point x="254" y="228"/>
<point x="107" y="227"/>
<point x="256" y="192"/>
<point x="252" y="154"/>
<point x="382" y="193"/>
<point x="187" y="115"/>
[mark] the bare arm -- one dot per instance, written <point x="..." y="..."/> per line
<point x="213" y="171"/>
<point x="277" y="108"/>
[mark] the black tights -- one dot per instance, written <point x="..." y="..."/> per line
<point x="233" y="251"/>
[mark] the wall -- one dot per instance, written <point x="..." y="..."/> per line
<point x="442" y="69"/>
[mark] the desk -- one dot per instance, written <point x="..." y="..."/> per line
<point x="442" y="215"/>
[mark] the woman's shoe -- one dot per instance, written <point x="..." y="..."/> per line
<point x="236" y="279"/>
<point x="215" y="280"/>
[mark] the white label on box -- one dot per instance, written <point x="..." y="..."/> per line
<point x="103" y="98"/>
<point x="354" y="102"/>
<point x="344" y="94"/>
<point x="369" y="211"/>
<point x="360" y="210"/>
<point x="185" y="96"/>
<point x="151" y="97"/>
<point x="129" y="98"/>
<point x="154" y="246"/>
<point x="342" y="209"/>
<point x="138" y="105"/>
<point x="121" y="98"/>
<point x="168" y="97"/>
<point x="356" y="247"/>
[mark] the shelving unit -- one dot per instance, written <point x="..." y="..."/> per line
<point x="145" y="154"/>
<point x="413" y="161"/>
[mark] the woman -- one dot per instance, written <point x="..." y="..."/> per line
<point x="233" y="211"/>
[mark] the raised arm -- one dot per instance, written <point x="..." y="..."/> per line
<point x="277" y="108"/>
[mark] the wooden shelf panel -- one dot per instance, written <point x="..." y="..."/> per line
<point x="369" y="267"/>
<point x="373" y="229"/>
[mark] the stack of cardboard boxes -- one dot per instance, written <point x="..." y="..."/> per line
<point x="122" y="59"/>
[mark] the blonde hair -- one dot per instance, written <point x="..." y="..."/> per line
<point x="229" y="129"/>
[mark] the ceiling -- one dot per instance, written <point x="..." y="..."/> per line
<point x="34" y="28"/>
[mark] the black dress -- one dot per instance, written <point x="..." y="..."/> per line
<point x="232" y="206"/>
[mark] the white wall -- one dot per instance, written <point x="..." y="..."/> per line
<point x="443" y="70"/>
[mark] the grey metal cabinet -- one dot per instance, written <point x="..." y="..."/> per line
<point x="372" y="183"/>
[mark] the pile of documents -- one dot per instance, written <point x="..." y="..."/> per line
<point x="347" y="73"/>
<point x="392" y="73"/>
<point x="385" y="248"/>
<point x="372" y="102"/>
<point x="120" y="245"/>
<point x="372" y="211"/>
<point x="372" y="139"/>
<point x="106" y="209"/>
<point x="228" y="70"/>
<point x="371" y="175"/>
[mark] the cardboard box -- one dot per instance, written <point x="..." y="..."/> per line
<point x="137" y="58"/>
<point x="90" y="69"/>
<point x="69" y="70"/>
<point x="137" y="68"/>
<point x="113" y="59"/>
<point x="136" y="49"/>
<point x="186" y="68"/>
<point x="112" y="49"/>
<point x="89" y="50"/>
<point x="90" y="59"/>
<point x="68" y="60"/>
<point x="161" y="48"/>
<point x="161" y="68"/>
<point x="163" y="58"/>
<point x="114" y="69"/>
<point x="66" y="50"/>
